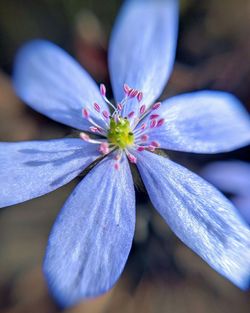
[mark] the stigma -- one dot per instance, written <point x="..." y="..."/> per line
<point x="120" y="133"/>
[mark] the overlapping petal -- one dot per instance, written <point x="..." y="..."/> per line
<point x="202" y="122"/>
<point x="142" y="48"/>
<point x="33" y="168"/>
<point x="229" y="176"/>
<point x="92" y="237"/>
<point x="54" y="84"/>
<point x="232" y="177"/>
<point x="199" y="215"/>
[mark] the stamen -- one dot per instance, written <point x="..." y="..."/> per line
<point x="156" y="106"/>
<point x="103" y="90"/>
<point x="132" y="93"/>
<point x="144" y="137"/>
<point x="94" y="129"/>
<point x="105" y="114"/>
<point x="126" y="88"/>
<point x="160" y="122"/>
<point x="155" y="144"/>
<point x="154" y="116"/>
<point x="119" y="106"/>
<point x="153" y="123"/>
<point x="142" y="109"/>
<point x="131" y="114"/>
<point x="85" y="113"/>
<point x="97" y="107"/>
<point x="140" y="149"/>
<point x="104" y="148"/>
<point x="151" y="148"/>
<point x="84" y="137"/>
<point x="140" y="96"/>
<point x="131" y="157"/>
<point x="117" y="166"/>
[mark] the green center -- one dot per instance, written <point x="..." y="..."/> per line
<point x="120" y="133"/>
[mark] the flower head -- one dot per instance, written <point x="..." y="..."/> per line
<point x="92" y="236"/>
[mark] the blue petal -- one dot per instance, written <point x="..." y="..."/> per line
<point x="232" y="177"/>
<point x="142" y="48"/>
<point x="229" y="176"/>
<point x="199" y="215"/>
<point x="31" y="169"/>
<point x="54" y="84"/>
<point x="202" y="122"/>
<point x="92" y="237"/>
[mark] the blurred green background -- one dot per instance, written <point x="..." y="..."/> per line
<point x="161" y="275"/>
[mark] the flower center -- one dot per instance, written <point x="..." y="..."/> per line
<point x="120" y="133"/>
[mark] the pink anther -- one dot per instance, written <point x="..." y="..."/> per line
<point x="84" y="136"/>
<point x="117" y="166"/>
<point x="97" y="107"/>
<point x="144" y="137"/>
<point x="153" y="123"/>
<point x="153" y="116"/>
<point x="131" y="114"/>
<point x="132" y="158"/>
<point x="156" y="106"/>
<point x="105" y="114"/>
<point x="103" y="90"/>
<point x="140" y="96"/>
<point x="85" y="113"/>
<point x="126" y="88"/>
<point x="142" y="109"/>
<point x="151" y="148"/>
<point x="155" y="144"/>
<point x="160" y="122"/>
<point x="119" y="106"/>
<point x="143" y="126"/>
<point x="104" y="148"/>
<point x="132" y="93"/>
<point x="140" y="149"/>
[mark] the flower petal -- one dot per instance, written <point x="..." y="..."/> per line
<point x="33" y="168"/>
<point x="54" y="84"/>
<point x="202" y="122"/>
<point x="199" y="215"/>
<point x="92" y="237"/>
<point x="142" y="48"/>
<point x="229" y="176"/>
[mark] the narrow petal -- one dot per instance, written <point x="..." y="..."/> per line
<point x="142" y="48"/>
<point x="199" y="215"/>
<point x="202" y="122"/>
<point x="92" y="237"/>
<point x="33" y="168"/>
<point x="54" y="84"/>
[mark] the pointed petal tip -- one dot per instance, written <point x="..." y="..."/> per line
<point x="83" y="258"/>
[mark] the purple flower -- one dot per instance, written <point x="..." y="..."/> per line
<point x="91" y="239"/>
<point x="232" y="177"/>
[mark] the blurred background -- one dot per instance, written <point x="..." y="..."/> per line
<point x="161" y="274"/>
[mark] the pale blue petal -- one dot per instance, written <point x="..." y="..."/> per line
<point x="54" y="84"/>
<point x="199" y="215"/>
<point x="33" y="168"/>
<point x="242" y="203"/>
<point x="92" y="237"/>
<point x="202" y="122"/>
<point x="229" y="176"/>
<point x="142" y="48"/>
<point x="232" y="177"/>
